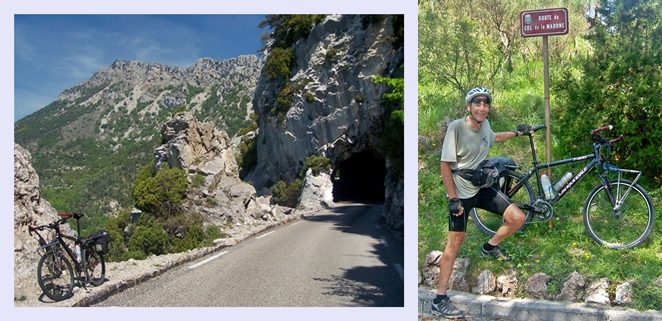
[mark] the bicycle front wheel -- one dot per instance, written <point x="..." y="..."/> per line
<point x="520" y="192"/>
<point x="625" y="225"/>
<point x="55" y="276"/>
<point x="95" y="267"/>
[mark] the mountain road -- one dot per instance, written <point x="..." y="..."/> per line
<point x="335" y="257"/>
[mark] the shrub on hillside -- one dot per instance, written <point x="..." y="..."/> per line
<point x="161" y="193"/>
<point x="287" y="194"/>
<point x="317" y="163"/>
<point x="279" y="62"/>
<point x="149" y="238"/>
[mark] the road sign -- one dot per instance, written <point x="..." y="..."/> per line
<point x="544" y="22"/>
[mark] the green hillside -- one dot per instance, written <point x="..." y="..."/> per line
<point x="88" y="145"/>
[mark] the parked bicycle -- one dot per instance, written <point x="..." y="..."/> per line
<point x="618" y="212"/>
<point x="54" y="270"/>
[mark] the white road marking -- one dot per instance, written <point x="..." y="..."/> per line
<point x="398" y="268"/>
<point x="208" y="260"/>
<point x="265" y="234"/>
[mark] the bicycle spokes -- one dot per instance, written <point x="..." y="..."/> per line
<point x="623" y="225"/>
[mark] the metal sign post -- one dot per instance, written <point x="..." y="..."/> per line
<point x="548" y="125"/>
<point x="545" y="22"/>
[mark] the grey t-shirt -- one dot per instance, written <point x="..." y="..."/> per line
<point x="465" y="148"/>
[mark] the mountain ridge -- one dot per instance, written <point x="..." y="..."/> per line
<point x="88" y="144"/>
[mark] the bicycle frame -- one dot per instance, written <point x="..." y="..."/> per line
<point x="59" y="240"/>
<point x="594" y="160"/>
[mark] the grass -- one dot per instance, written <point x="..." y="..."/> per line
<point x="555" y="251"/>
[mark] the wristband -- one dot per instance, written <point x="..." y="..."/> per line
<point x="516" y="133"/>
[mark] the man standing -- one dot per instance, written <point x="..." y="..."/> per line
<point x="466" y="145"/>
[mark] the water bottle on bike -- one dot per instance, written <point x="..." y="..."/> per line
<point x="547" y="186"/>
<point x="563" y="182"/>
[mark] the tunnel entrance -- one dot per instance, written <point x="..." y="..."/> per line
<point x="360" y="178"/>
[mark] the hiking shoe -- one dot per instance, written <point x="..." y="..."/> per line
<point x="447" y="310"/>
<point x="495" y="253"/>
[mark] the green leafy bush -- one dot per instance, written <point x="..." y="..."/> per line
<point x="393" y="135"/>
<point x="287" y="29"/>
<point x="393" y="139"/>
<point x="197" y="180"/>
<point x="309" y="97"/>
<point x="247" y="148"/>
<point x="279" y="63"/>
<point x="149" y="238"/>
<point x="331" y="55"/>
<point x="115" y="227"/>
<point x="178" y="109"/>
<point x="191" y="92"/>
<point x="287" y="194"/>
<point x="619" y="85"/>
<point x="284" y="97"/>
<point x="213" y="232"/>
<point x="317" y="163"/>
<point x="162" y="193"/>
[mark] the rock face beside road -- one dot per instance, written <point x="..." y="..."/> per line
<point x="29" y="209"/>
<point x="217" y="191"/>
<point x="336" y="108"/>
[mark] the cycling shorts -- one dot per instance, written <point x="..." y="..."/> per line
<point x="489" y="199"/>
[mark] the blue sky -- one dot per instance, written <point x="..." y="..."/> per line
<point x="56" y="52"/>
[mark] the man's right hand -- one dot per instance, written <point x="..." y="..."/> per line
<point x="455" y="206"/>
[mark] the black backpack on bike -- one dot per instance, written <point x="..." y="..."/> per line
<point x="101" y="240"/>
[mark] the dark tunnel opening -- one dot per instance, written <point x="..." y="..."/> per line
<point x="360" y="178"/>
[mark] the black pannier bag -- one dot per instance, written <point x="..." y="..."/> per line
<point x="488" y="171"/>
<point x="101" y="240"/>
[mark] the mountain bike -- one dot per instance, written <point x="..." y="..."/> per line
<point x="55" y="274"/>
<point x="617" y="213"/>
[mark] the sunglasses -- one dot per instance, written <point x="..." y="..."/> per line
<point x="478" y="101"/>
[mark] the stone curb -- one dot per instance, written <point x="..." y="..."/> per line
<point x="105" y="292"/>
<point x="530" y="309"/>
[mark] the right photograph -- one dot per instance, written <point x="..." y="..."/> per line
<point x="537" y="122"/>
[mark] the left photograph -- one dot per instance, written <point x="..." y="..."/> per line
<point x="209" y="160"/>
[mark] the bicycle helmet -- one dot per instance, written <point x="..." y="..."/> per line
<point x="477" y="91"/>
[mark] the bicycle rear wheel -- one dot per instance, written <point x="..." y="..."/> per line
<point x="520" y="193"/>
<point x="620" y="228"/>
<point x="55" y="276"/>
<point x="96" y="267"/>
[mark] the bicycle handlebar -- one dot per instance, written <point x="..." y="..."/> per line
<point x="64" y="217"/>
<point x="601" y="129"/>
<point x="67" y="215"/>
<point x="616" y="139"/>
<point x="537" y="127"/>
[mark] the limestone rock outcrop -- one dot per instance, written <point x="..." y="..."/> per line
<point x="29" y="209"/>
<point x="317" y="191"/>
<point x="205" y="153"/>
<point x="337" y="110"/>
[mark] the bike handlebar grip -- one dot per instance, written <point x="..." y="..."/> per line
<point x="603" y="128"/>
<point x="616" y="139"/>
<point x="537" y="127"/>
<point x="65" y="214"/>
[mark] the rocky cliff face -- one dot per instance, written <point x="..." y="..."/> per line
<point x="29" y="209"/>
<point x="217" y="192"/>
<point x="92" y="140"/>
<point x="338" y="111"/>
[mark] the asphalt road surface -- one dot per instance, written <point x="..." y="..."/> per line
<point x="337" y="257"/>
